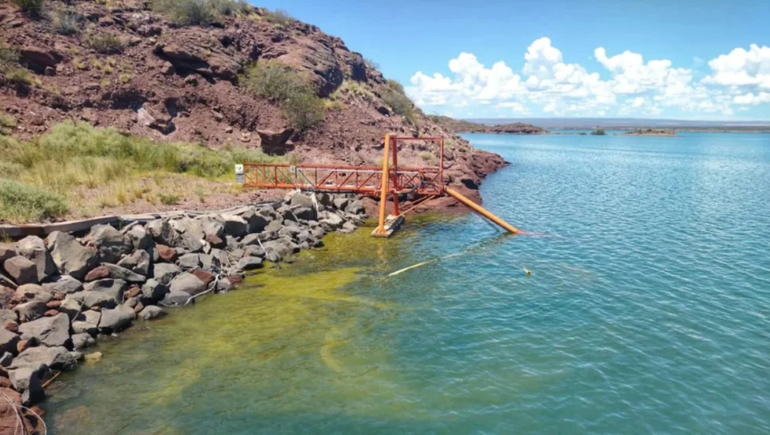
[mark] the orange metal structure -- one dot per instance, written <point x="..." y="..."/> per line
<point x="390" y="179"/>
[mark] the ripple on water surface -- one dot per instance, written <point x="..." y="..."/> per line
<point x="647" y="311"/>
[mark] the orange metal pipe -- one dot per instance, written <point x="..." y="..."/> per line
<point x="384" y="189"/>
<point x="482" y="211"/>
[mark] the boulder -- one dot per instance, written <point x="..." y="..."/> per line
<point x="30" y="310"/>
<point x="87" y="322"/>
<point x="340" y="203"/>
<point x="21" y="270"/>
<point x="7" y="251"/>
<point x="273" y="226"/>
<point x="71" y="307"/>
<point x="154" y="290"/>
<point x="82" y="341"/>
<point x="249" y="263"/>
<point x="224" y="285"/>
<point x="235" y="226"/>
<point x="189" y="234"/>
<point x="6" y="359"/>
<point x="56" y="358"/>
<point x="109" y="242"/>
<point x="253" y="251"/>
<point x="152" y="312"/>
<point x="33" y="292"/>
<point x="138" y="262"/>
<point x="38" y="58"/>
<point x="164" y="272"/>
<point x="28" y="380"/>
<point x="275" y="138"/>
<point x="8" y="341"/>
<point x="175" y="298"/>
<point x="64" y="284"/>
<point x="204" y="276"/>
<point x="91" y="299"/>
<point x="256" y="222"/>
<point x="305" y="213"/>
<point x="188" y="283"/>
<point x="8" y="315"/>
<point x="116" y="319"/>
<point x="33" y="248"/>
<point x="140" y="239"/>
<point x="166" y="253"/>
<point x="114" y="288"/>
<point x="189" y="261"/>
<point x="283" y="247"/>
<point x="70" y="256"/>
<point x="121" y="273"/>
<point x="355" y="207"/>
<point x="161" y="232"/>
<point x="211" y="263"/>
<point x="332" y="221"/>
<point x="97" y="273"/>
<point x="50" y="331"/>
<point x="212" y="227"/>
<point x="348" y="227"/>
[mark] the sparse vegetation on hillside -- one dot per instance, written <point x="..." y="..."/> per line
<point x="7" y="123"/>
<point x="279" y="17"/>
<point x="34" y="8"/>
<point x="105" y="43"/>
<point x="65" y="21"/>
<point x="395" y="97"/>
<point x="78" y="156"/>
<point x="199" y="12"/>
<point x="292" y="91"/>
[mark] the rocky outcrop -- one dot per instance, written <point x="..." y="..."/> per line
<point x="44" y="322"/>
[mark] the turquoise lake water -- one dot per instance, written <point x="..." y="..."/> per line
<point x="647" y="311"/>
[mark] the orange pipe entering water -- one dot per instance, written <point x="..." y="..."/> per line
<point x="482" y="211"/>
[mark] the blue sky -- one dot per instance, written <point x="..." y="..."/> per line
<point x="686" y="59"/>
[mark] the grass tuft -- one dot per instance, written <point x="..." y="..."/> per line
<point x="104" y="43"/>
<point x="66" y="21"/>
<point x="290" y="89"/>
<point x="33" y="8"/>
<point x="279" y="17"/>
<point x="23" y="203"/>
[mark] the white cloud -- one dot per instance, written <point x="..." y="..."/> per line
<point x="548" y="84"/>
<point x="752" y="99"/>
<point x="741" y="67"/>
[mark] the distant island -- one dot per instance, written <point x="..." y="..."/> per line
<point x="659" y="132"/>
<point x="461" y="126"/>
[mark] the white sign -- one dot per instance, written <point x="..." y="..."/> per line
<point x="239" y="174"/>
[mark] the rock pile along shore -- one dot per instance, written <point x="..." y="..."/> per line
<point x="71" y="290"/>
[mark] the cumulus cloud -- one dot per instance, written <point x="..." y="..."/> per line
<point x="629" y="85"/>
<point x="741" y="67"/>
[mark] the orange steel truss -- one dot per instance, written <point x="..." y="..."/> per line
<point x="365" y="180"/>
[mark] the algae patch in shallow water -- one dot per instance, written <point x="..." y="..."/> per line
<point x="284" y="329"/>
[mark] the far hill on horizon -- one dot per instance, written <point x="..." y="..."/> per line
<point x="624" y="123"/>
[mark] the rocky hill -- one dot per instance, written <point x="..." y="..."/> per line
<point x="168" y="71"/>
<point x="461" y="126"/>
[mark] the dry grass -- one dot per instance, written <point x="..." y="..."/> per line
<point x="93" y="169"/>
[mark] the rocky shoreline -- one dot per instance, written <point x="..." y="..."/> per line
<point x="64" y="293"/>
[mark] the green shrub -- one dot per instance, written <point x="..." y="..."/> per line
<point x="19" y="76"/>
<point x="169" y="199"/>
<point x="231" y="7"/>
<point x="7" y="123"/>
<point x="65" y="21"/>
<point x="104" y="43"/>
<point x="34" y="8"/>
<point x="23" y="203"/>
<point x="395" y="97"/>
<point x="284" y="85"/>
<point x="279" y="17"/>
<point x="8" y="57"/>
<point x="188" y="12"/>
<point x="370" y="64"/>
